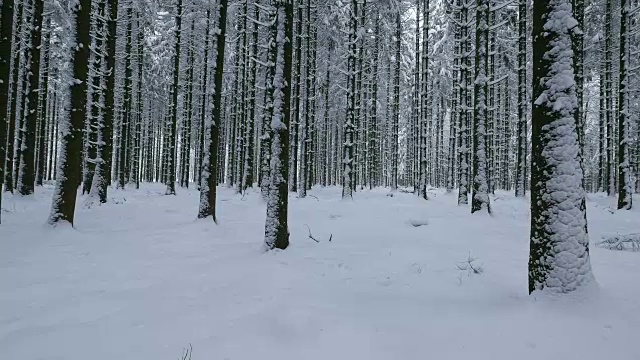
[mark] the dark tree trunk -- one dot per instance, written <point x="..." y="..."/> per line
<point x="480" y="183"/>
<point x="558" y="221"/>
<point x="171" y="151"/>
<point x="102" y="177"/>
<point x="64" y="200"/>
<point x="27" y="171"/>
<point x="276" y="227"/>
<point x="209" y="179"/>
<point x="521" y="157"/>
<point x="6" y="37"/>
<point x="625" y="188"/>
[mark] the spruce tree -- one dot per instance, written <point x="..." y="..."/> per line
<point x="6" y="37"/>
<point x="276" y="228"/>
<point x="558" y="221"/>
<point x="68" y="178"/>
<point x="209" y="175"/>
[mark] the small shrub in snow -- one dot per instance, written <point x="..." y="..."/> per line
<point x="470" y="267"/>
<point x="626" y="242"/>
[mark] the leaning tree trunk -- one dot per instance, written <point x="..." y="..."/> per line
<point x="558" y="222"/>
<point x="64" y="198"/>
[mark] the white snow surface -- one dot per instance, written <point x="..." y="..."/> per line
<point x="139" y="278"/>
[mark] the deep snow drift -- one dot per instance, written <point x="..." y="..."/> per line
<point x="139" y="278"/>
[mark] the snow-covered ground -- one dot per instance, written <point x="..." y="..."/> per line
<point x="140" y="279"/>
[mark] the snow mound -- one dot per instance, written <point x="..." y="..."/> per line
<point x="417" y="222"/>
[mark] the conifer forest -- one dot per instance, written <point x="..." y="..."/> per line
<point x="313" y="179"/>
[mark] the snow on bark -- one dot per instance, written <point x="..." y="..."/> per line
<point x="559" y="244"/>
<point x="209" y="170"/>
<point x="276" y="229"/>
<point x="480" y="184"/>
<point x="68" y="179"/>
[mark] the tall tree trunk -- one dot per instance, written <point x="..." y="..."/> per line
<point x="350" y="120"/>
<point x="137" y="156"/>
<point x="203" y="103"/>
<point x="276" y="228"/>
<point x="248" y="171"/>
<point x="42" y="112"/>
<point x="171" y="153"/>
<point x="16" y="94"/>
<point x="521" y="157"/>
<point x="625" y="188"/>
<point x="102" y="177"/>
<point x="64" y="199"/>
<point x="6" y="37"/>
<point x="124" y="152"/>
<point x="209" y="179"/>
<point x="396" y="105"/>
<point x="558" y="222"/>
<point x="480" y="184"/>
<point x="296" y="99"/>
<point x="27" y="173"/>
<point x="265" y="141"/>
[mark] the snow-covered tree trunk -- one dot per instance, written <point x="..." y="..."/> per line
<point x="480" y="184"/>
<point x="625" y="187"/>
<point x="608" y="93"/>
<point x="296" y="100"/>
<point x="248" y="162"/>
<point x="265" y="141"/>
<point x="603" y="177"/>
<point x="521" y="157"/>
<point x="96" y="95"/>
<point x="6" y="37"/>
<point x="102" y="176"/>
<point x="68" y="178"/>
<point x="276" y="228"/>
<point x="27" y="173"/>
<point x="204" y="100"/>
<point x="17" y="96"/>
<point x="424" y="95"/>
<point x="209" y="178"/>
<point x="372" y="153"/>
<point x="396" y="103"/>
<point x="43" y="103"/>
<point x="350" y="120"/>
<point x="464" y="168"/>
<point x="559" y="246"/>
<point x="173" y="122"/>
<point x="123" y="150"/>
<point x="137" y="131"/>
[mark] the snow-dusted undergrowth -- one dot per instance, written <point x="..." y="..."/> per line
<point x="142" y="279"/>
<point x="624" y="242"/>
